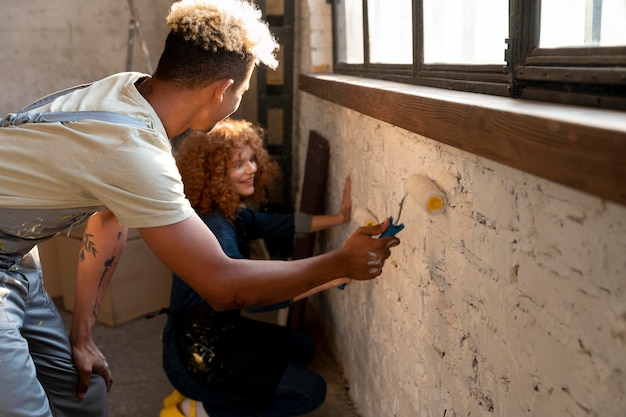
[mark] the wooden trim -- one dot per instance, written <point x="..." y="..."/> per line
<point x="579" y="147"/>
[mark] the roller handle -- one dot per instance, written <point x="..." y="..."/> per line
<point x="392" y="229"/>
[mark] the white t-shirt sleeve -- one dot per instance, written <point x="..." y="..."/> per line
<point x="139" y="182"/>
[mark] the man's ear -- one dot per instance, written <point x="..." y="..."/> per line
<point x="221" y="87"/>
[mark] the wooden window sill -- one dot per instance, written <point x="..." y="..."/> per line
<point x="583" y="148"/>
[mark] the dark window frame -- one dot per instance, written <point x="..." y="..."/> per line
<point x="587" y="76"/>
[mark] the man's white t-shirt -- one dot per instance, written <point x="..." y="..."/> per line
<point x="54" y="174"/>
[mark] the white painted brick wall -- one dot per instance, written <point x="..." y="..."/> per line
<point x="510" y="304"/>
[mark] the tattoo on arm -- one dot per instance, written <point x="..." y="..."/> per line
<point x="89" y="246"/>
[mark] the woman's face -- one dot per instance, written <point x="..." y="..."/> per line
<point x="241" y="170"/>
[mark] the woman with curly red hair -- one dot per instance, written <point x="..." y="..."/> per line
<point x="204" y="161"/>
<point x="230" y="364"/>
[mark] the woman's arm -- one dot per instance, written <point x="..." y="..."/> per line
<point x="330" y="284"/>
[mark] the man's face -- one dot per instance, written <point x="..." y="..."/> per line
<point x="214" y="109"/>
<point x="234" y="94"/>
<point x="230" y="100"/>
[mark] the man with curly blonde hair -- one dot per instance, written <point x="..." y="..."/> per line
<point x="119" y="172"/>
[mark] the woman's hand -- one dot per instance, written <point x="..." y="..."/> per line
<point x="324" y="221"/>
<point x="346" y="202"/>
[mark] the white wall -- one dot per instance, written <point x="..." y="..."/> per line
<point x="510" y="304"/>
<point x="49" y="45"/>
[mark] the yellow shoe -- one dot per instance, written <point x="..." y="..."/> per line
<point x="173" y="399"/>
<point x="171" y="411"/>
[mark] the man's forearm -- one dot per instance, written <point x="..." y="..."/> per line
<point x="100" y="252"/>
<point x="190" y="250"/>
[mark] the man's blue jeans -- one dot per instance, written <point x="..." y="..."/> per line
<point x="37" y="374"/>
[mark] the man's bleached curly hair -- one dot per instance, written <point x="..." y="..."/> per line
<point x="203" y="160"/>
<point x="227" y="25"/>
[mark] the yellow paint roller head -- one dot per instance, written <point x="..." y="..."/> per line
<point x="434" y="203"/>
<point x="364" y="217"/>
<point x="425" y="193"/>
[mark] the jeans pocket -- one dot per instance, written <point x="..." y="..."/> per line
<point x="9" y="301"/>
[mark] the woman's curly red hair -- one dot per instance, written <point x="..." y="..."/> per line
<point x="203" y="158"/>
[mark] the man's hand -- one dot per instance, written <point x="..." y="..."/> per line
<point x="88" y="359"/>
<point x="367" y="255"/>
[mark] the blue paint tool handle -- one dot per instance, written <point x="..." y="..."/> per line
<point x="391" y="230"/>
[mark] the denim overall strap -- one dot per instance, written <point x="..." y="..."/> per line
<point x="16" y="119"/>
<point x="23" y="116"/>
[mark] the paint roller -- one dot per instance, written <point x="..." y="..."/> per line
<point x="426" y="193"/>
<point x="364" y="217"/>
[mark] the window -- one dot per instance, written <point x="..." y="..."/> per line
<point x="582" y="23"/>
<point x="570" y="51"/>
<point x="379" y="18"/>
<point x="466" y="32"/>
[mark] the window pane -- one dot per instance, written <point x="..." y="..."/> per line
<point x="465" y="31"/>
<point x="390" y="31"/>
<point x="582" y="23"/>
<point x="349" y="31"/>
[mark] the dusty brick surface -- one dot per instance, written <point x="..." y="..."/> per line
<point x="511" y="303"/>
